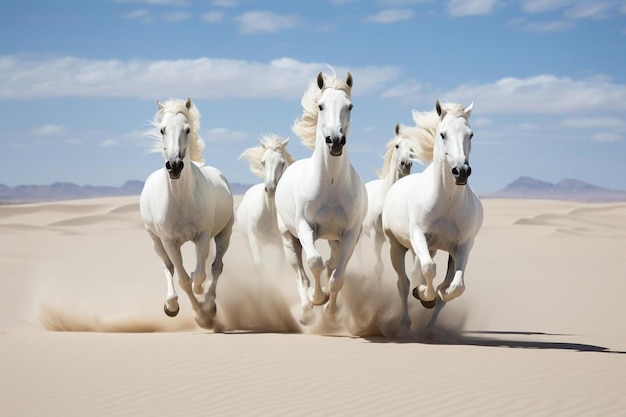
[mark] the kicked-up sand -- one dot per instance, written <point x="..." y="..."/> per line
<point x="540" y="329"/>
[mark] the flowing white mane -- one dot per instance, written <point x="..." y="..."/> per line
<point x="196" y="144"/>
<point x="427" y="124"/>
<point x="254" y="155"/>
<point x="306" y="126"/>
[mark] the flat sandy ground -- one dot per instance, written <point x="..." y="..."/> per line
<point x="540" y="329"/>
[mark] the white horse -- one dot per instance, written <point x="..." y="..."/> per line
<point x="322" y="197"/>
<point x="186" y="201"/>
<point x="397" y="164"/>
<point x="435" y="210"/>
<point x="256" y="215"/>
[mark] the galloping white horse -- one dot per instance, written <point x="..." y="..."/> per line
<point x="186" y="201"/>
<point x="322" y="197"/>
<point x="435" y="210"/>
<point x="256" y="215"/>
<point x="398" y="163"/>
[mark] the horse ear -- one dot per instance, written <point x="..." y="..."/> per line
<point x="349" y="80"/>
<point x="159" y="105"/>
<point x="188" y="103"/>
<point x="440" y="111"/>
<point x="285" y="142"/>
<point x="320" y="80"/>
<point x="468" y="110"/>
<point x="397" y="129"/>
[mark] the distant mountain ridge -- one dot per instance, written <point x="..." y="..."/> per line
<point x="523" y="187"/>
<point x="566" y="189"/>
<point x="59" y="191"/>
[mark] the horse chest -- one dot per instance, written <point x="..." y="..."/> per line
<point x="327" y="220"/>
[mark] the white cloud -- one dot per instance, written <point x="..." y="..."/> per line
<point x="109" y="143"/>
<point x="265" y="22"/>
<point x="553" y="26"/>
<point x="43" y="76"/>
<point x="607" y="137"/>
<point x="176" y="16"/>
<point x="539" y="6"/>
<point x="212" y="17"/>
<point x="390" y="16"/>
<point x="141" y="15"/>
<point x="470" y="7"/>
<point x="225" y="3"/>
<point x="49" y="130"/>
<point x="222" y="135"/>
<point x="542" y="94"/>
<point x="176" y="3"/>
<point x="593" y="122"/>
<point x="589" y="10"/>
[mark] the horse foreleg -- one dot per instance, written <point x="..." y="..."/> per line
<point x="342" y="251"/>
<point x="293" y="253"/>
<point x="425" y="293"/>
<point x="171" y="306"/>
<point x="442" y="287"/>
<point x="319" y="295"/>
<point x="209" y="307"/>
<point x="173" y="251"/>
<point x="457" y="285"/>
<point x="397" y="254"/>
<point x="255" y="247"/>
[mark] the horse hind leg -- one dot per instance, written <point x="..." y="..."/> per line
<point x="203" y="249"/>
<point x="397" y="254"/>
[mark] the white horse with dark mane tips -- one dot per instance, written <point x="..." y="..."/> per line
<point x="397" y="164"/>
<point x="186" y="201"/>
<point x="322" y="197"/>
<point x="256" y="215"/>
<point x="435" y="210"/>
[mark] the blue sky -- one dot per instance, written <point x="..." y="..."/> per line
<point x="79" y="80"/>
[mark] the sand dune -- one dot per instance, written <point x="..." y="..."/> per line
<point x="537" y="332"/>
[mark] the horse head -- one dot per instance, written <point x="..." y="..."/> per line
<point x="402" y="156"/>
<point x="274" y="164"/>
<point x="334" y="114"/>
<point x="175" y="129"/>
<point x="454" y="136"/>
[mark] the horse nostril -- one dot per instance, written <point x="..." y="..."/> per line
<point x="343" y="140"/>
<point x="329" y="140"/>
<point x="455" y="171"/>
<point x="168" y="166"/>
<point x="469" y="171"/>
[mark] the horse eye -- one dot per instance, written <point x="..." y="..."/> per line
<point x="397" y="146"/>
<point x="321" y="107"/>
<point x="443" y="136"/>
<point x="471" y="135"/>
<point x="188" y="130"/>
<point x="263" y="163"/>
<point x="350" y="107"/>
<point x="162" y="130"/>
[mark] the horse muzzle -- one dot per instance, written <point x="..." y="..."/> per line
<point x="335" y="145"/>
<point x="405" y="167"/>
<point x="461" y="174"/>
<point x="174" y="168"/>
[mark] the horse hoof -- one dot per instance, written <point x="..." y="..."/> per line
<point x="426" y="304"/>
<point x="171" y="313"/>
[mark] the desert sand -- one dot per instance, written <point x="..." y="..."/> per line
<point x="539" y="330"/>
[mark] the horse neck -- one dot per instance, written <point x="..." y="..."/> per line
<point x="443" y="181"/>
<point x="183" y="187"/>
<point x="332" y="168"/>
